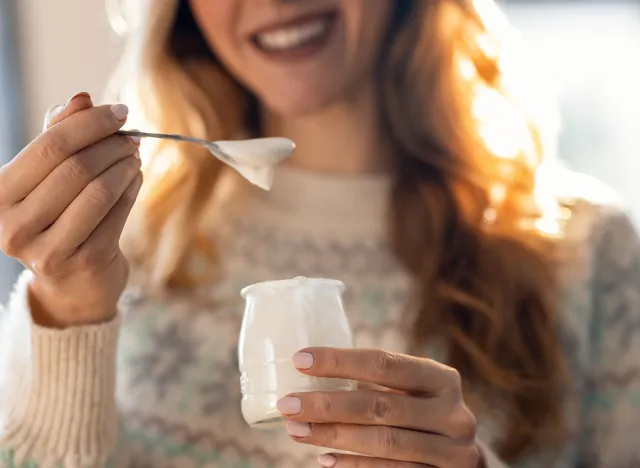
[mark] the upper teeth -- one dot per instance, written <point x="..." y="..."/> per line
<point x="292" y="36"/>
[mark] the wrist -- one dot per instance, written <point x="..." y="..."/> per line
<point x="51" y="307"/>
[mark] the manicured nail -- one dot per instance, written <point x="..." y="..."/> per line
<point x="289" y="405"/>
<point x="137" y="155"/>
<point x="303" y="360"/>
<point x="76" y="96"/>
<point x="136" y="140"/>
<point x="298" y="429"/>
<point x="120" y="111"/>
<point x="327" y="460"/>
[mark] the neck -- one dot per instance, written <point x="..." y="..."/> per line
<point x="345" y="137"/>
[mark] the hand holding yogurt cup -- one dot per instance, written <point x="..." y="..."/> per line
<point x="417" y="418"/>
<point x="410" y="412"/>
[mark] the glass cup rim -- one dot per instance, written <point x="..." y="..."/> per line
<point x="291" y="283"/>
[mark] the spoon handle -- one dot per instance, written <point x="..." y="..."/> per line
<point x="163" y="136"/>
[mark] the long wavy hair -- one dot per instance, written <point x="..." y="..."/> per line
<point x="470" y="221"/>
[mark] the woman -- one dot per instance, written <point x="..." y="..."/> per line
<point x="449" y="240"/>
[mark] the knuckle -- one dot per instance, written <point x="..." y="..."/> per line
<point x="389" y="440"/>
<point x="129" y="167"/>
<point x="48" y="263"/>
<point x="324" y="405"/>
<point x="379" y="407"/>
<point x="133" y="166"/>
<point x="463" y="423"/>
<point x="51" y="147"/>
<point x="332" y="361"/>
<point x="384" y="363"/>
<point x="10" y="244"/>
<point x="102" y="194"/>
<point x="329" y="434"/>
<point x="12" y="238"/>
<point x="79" y="168"/>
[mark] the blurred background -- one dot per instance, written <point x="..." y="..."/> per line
<point x="589" y="49"/>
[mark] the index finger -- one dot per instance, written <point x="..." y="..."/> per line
<point x="395" y="371"/>
<point x="78" y="131"/>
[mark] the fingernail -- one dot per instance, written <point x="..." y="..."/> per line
<point x="136" y="140"/>
<point x="303" y="360"/>
<point x="137" y="155"/>
<point x="289" y="405"/>
<point x="327" y="460"/>
<point x="76" y="96"/>
<point x="120" y="111"/>
<point x="298" y="429"/>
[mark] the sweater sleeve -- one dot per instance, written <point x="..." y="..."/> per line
<point x="612" y="398"/>
<point x="57" y="391"/>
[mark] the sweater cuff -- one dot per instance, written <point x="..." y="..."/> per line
<point x="489" y="457"/>
<point x="60" y="404"/>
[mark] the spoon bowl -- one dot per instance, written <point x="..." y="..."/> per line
<point x="255" y="159"/>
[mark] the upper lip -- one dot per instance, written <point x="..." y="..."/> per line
<point x="291" y="22"/>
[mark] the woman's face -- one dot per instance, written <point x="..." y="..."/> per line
<point x="297" y="56"/>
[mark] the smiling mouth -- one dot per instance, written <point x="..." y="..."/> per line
<point x="296" y="38"/>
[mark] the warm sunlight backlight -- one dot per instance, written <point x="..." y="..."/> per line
<point x="467" y="69"/>
<point x="501" y="126"/>
<point x="545" y="195"/>
<point x="492" y="16"/>
<point x="507" y="124"/>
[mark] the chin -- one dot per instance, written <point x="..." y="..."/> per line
<point x="293" y="103"/>
<point x="292" y="108"/>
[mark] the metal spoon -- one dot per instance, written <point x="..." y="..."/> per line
<point x="254" y="152"/>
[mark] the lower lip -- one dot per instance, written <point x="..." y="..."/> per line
<point x="303" y="52"/>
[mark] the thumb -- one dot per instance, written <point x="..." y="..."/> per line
<point x="59" y="112"/>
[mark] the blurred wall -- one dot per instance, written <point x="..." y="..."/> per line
<point x="11" y="131"/>
<point x="66" y="46"/>
<point x="590" y="50"/>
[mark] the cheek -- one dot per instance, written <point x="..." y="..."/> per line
<point x="217" y="21"/>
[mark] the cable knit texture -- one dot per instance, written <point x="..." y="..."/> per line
<point x="178" y="392"/>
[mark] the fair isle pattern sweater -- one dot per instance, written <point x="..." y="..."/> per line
<point x="175" y="402"/>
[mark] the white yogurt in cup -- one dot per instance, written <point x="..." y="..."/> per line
<point x="280" y="319"/>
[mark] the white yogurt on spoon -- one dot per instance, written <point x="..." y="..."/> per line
<point x="256" y="159"/>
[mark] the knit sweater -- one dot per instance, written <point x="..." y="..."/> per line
<point x="176" y="401"/>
